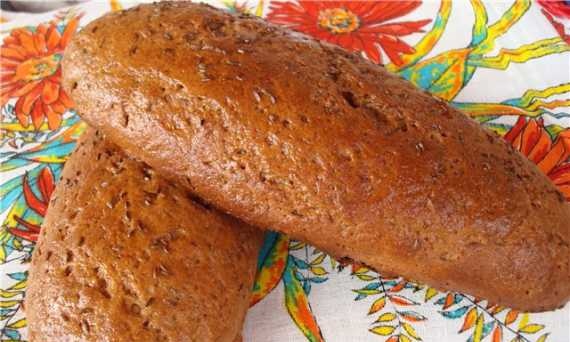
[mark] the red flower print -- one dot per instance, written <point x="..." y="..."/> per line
<point x="553" y="158"/>
<point x="559" y="9"/>
<point x="46" y="185"/>
<point x="557" y="12"/>
<point x="31" y="72"/>
<point x="354" y="25"/>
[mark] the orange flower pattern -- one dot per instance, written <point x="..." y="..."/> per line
<point x="46" y="185"/>
<point x="355" y="25"/>
<point x="531" y="139"/>
<point x="31" y="72"/>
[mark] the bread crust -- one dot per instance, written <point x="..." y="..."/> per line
<point x="126" y="256"/>
<point x="301" y="136"/>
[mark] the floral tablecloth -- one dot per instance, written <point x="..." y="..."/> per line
<point x="505" y="63"/>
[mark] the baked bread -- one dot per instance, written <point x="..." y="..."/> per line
<point x="287" y="132"/>
<point x="126" y="256"/>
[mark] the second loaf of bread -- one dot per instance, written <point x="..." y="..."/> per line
<point x="126" y="256"/>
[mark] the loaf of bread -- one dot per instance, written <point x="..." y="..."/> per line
<point x="126" y="256"/>
<point x="286" y="132"/>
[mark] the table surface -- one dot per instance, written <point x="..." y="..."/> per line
<point x="504" y="63"/>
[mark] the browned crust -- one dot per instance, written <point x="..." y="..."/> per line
<point x="286" y="132"/>
<point x="126" y="256"/>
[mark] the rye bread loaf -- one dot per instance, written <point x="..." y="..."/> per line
<point x="126" y="256"/>
<point x="287" y="132"/>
